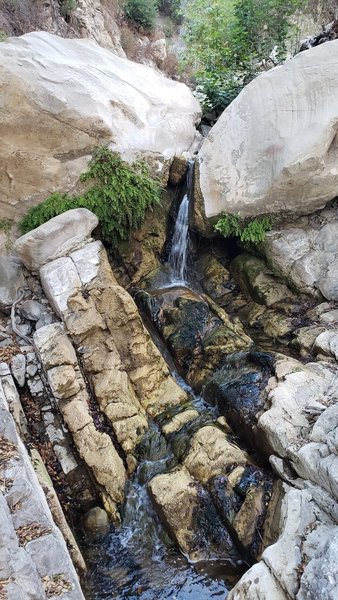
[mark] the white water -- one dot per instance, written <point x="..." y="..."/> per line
<point x="180" y="243"/>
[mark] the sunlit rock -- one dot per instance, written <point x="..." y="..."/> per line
<point x="275" y="148"/>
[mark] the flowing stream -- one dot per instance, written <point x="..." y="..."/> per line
<point x="178" y="256"/>
<point x="139" y="560"/>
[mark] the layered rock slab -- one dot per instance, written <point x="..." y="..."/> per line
<point x="67" y="95"/>
<point x="275" y="148"/>
<point x="305" y="254"/>
<point x="34" y="558"/>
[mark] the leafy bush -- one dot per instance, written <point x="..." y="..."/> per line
<point x="3" y="35"/>
<point x="142" y="12"/>
<point x="67" y="7"/>
<point x="253" y="231"/>
<point x="120" y="195"/>
<point x="172" y="9"/>
<point x="230" y="41"/>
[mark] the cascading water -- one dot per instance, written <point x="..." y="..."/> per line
<point x="177" y="260"/>
<point x="139" y="560"/>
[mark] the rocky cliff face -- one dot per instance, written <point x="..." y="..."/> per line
<point x="92" y="19"/>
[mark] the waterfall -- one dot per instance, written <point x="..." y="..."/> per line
<point x="177" y="260"/>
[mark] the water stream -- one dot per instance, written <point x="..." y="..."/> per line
<point x="178" y="255"/>
<point x="139" y="560"/>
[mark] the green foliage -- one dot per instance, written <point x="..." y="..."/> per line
<point x="230" y="41"/>
<point x="3" y="35"/>
<point x="172" y="9"/>
<point x="5" y="225"/>
<point x="67" y="7"/>
<point x="253" y="231"/>
<point x="142" y="12"/>
<point x="119" y="196"/>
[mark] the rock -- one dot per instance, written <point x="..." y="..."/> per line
<point x="11" y="280"/>
<point x="328" y="282"/>
<point x="327" y="342"/>
<point x="10" y="396"/>
<point x="330" y="317"/>
<point x="320" y="575"/>
<point x="257" y="584"/>
<point x="306" y="337"/>
<point x="304" y="551"/>
<point x="18" y="368"/>
<point x="198" y="332"/>
<point x="178" y="169"/>
<point x="31" y="546"/>
<point x="56" y="509"/>
<point x="276" y="325"/>
<point x="190" y="516"/>
<point x="238" y="390"/>
<point x="301" y="421"/>
<point x="211" y="454"/>
<point x="55" y="348"/>
<point x="270" y="156"/>
<point x="215" y="278"/>
<point x="96" y="448"/>
<point x="63" y="381"/>
<point x="31" y="310"/>
<point x="45" y="319"/>
<point x="56" y="238"/>
<point x="158" y="50"/>
<point x="141" y="253"/>
<point x="257" y="281"/>
<point x="132" y="107"/>
<point x="179" y="420"/>
<point x="96" y="521"/>
<point x="306" y="254"/>
<point x="89" y="18"/>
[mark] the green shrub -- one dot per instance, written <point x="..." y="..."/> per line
<point x="67" y="7"/>
<point x="229" y="42"/>
<point x="3" y="35"/>
<point x="120" y="195"/>
<point x="142" y="12"/>
<point x="253" y="231"/>
<point x="172" y="9"/>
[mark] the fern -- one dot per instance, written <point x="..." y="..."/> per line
<point x="119" y="196"/>
<point x="253" y="231"/>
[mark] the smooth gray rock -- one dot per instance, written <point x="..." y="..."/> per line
<point x="11" y="280"/>
<point x="275" y="148"/>
<point x="306" y="254"/>
<point x="18" y="368"/>
<point x="320" y="577"/>
<point x="31" y="310"/>
<point x="46" y="319"/>
<point x="56" y="238"/>
<point x="96" y="521"/>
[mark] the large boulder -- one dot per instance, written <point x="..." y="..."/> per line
<point x="61" y="97"/>
<point x="56" y="238"/>
<point x="305" y="254"/>
<point x="275" y="147"/>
